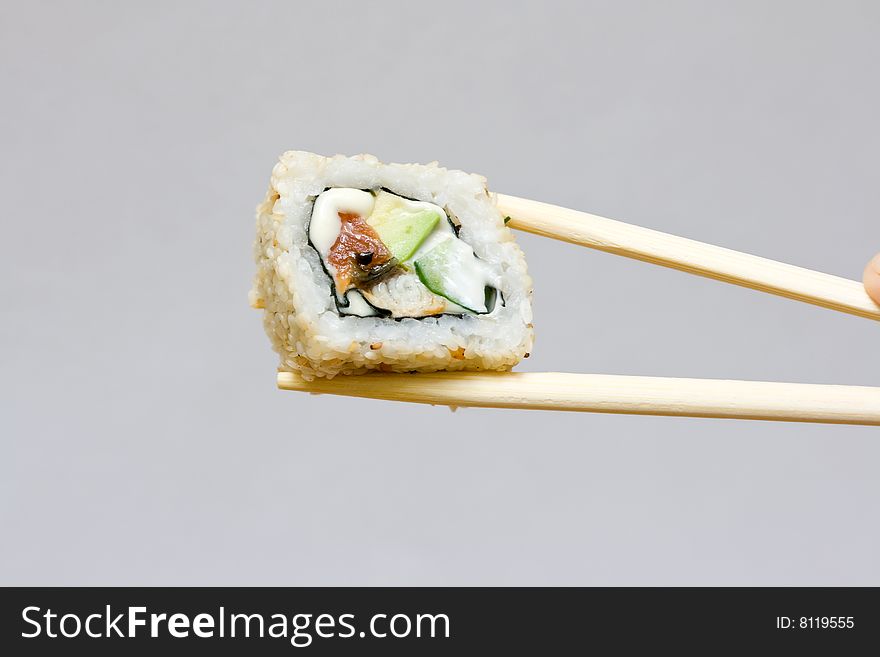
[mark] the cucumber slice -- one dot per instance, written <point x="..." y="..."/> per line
<point x="452" y="271"/>
<point x="402" y="225"/>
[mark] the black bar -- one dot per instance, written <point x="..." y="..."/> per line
<point x="536" y="620"/>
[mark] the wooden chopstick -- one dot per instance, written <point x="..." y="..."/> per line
<point x="640" y="395"/>
<point x="688" y="255"/>
<point x="603" y="393"/>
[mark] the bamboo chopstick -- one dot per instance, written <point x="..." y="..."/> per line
<point x="688" y="255"/>
<point x="603" y="393"/>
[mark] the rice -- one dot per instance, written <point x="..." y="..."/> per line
<point x="294" y="290"/>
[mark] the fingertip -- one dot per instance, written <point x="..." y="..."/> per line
<point x="872" y="278"/>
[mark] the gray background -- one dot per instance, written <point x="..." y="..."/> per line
<point x="143" y="439"/>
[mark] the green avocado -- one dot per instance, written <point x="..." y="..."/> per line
<point x="402" y="229"/>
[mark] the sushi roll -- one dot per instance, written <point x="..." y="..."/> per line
<point x="393" y="267"/>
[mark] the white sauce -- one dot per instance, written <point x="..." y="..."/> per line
<point x="357" y="305"/>
<point x="424" y="205"/>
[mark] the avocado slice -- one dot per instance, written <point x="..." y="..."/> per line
<point x="401" y="226"/>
